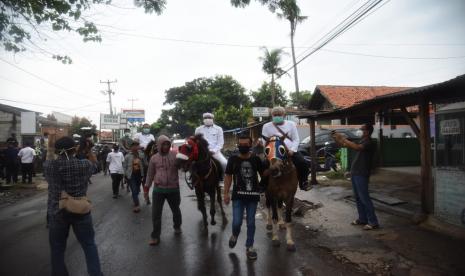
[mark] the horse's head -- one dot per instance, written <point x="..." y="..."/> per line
<point x="276" y="153"/>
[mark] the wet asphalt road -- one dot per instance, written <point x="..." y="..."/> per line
<point x="122" y="238"/>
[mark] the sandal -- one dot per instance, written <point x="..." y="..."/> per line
<point x="370" y="227"/>
<point x="358" y="222"/>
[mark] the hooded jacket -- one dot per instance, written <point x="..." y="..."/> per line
<point x="162" y="169"/>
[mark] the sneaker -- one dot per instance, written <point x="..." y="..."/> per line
<point x="154" y="242"/>
<point x="115" y="196"/>
<point x="370" y="227"/>
<point x="232" y="241"/>
<point x="136" y="209"/>
<point x="177" y="231"/>
<point x="251" y="253"/>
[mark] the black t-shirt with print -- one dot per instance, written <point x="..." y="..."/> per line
<point x="245" y="177"/>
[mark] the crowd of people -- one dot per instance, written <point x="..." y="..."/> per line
<point x="128" y="163"/>
<point x="21" y="160"/>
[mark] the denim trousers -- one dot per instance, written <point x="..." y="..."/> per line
<point x="365" y="208"/>
<point x="83" y="230"/>
<point x="134" y="183"/>
<point x="250" y="207"/>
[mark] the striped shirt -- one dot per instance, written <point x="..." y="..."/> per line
<point x="70" y="175"/>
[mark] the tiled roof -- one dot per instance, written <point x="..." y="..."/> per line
<point x="346" y="96"/>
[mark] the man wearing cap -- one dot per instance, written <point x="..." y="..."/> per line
<point x="288" y="129"/>
<point x="214" y="135"/>
<point x="144" y="137"/>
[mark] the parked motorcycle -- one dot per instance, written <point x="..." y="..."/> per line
<point x="330" y="161"/>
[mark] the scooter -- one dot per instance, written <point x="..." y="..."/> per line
<point x="329" y="154"/>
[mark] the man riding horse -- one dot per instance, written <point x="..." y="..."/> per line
<point x="279" y="127"/>
<point x="214" y="136"/>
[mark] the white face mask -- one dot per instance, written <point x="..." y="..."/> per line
<point x="208" y="122"/>
<point x="359" y="133"/>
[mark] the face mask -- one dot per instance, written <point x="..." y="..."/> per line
<point x="126" y="134"/>
<point x="208" y="122"/>
<point x="278" y="119"/>
<point x="359" y="133"/>
<point x="244" y="149"/>
<point x="146" y="130"/>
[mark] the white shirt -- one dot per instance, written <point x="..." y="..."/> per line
<point x="214" y="135"/>
<point x="144" y="139"/>
<point x="116" y="160"/>
<point x="289" y="128"/>
<point x="27" y="155"/>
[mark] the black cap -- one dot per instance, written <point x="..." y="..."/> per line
<point x="64" y="143"/>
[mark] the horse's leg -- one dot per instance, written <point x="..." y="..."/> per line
<point x="201" y="206"/>
<point x="269" y="220"/>
<point x="211" y="194"/>
<point x="274" y="235"/>
<point x="281" y="223"/>
<point x="220" y="202"/>
<point x="288" y="219"/>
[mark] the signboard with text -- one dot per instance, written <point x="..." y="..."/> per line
<point x="108" y="121"/>
<point x="134" y="115"/>
<point x="260" y="111"/>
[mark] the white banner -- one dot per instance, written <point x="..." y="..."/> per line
<point x="261" y="111"/>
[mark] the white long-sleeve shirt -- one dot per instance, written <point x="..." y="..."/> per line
<point x="214" y="135"/>
<point x="289" y="128"/>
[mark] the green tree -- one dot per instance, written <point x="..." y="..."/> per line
<point x="221" y="95"/>
<point x="271" y="60"/>
<point x="262" y="97"/>
<point x="300" y="99"/>
<point x="22" y="22"/>
<point x="77" y="123"/>
<point x="291" y="12"/>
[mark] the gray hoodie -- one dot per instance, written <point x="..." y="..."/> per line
<point x="162" y="168"/>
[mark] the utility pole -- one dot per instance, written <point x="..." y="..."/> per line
<point x="109" y="92"/>
<point x="132" y="100"/>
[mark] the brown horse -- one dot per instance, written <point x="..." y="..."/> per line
<point x="205" y="172"/>
<point x="281" y="187"/>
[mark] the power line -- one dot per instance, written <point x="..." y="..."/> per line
<point x="390" y="57"/>
<point x="44" y="80"/>
<point x="109" y="92"/>
<point x="61" y="109"/>
<point x="336" y="34"/>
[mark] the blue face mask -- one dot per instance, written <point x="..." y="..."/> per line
<point x="146" y="130"/>
<point x="278" y="119"/>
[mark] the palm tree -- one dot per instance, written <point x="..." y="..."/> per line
<point x="271" y="60"/>
<point x="291" y="12"/>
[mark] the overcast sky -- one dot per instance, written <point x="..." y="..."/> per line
<point x="149" y="54"/>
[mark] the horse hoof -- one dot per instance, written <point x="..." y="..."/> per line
<point x="276" y="243"/>
<point x="213" y="222"/>
<point x="269" y="227"/>
<point x="291" y="247"/>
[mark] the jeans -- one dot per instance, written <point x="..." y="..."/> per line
<point x="174" y="200"/>
<point x="135" y="182"/>
<point x="366" y="211"/>
<point x="84" y="232"/>
<point x="238" y="214"/>
<point x="115" y="181"/>
<point x="26" y="169"/>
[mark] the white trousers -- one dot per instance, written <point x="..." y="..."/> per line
<point x="220" y="158"/>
